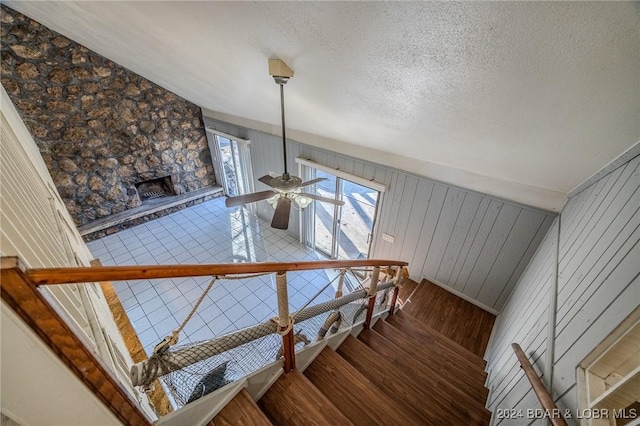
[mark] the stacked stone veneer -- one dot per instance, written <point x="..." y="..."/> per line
<point x="100" y="128"/>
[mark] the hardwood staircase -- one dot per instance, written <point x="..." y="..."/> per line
<point x="399" y="372"/>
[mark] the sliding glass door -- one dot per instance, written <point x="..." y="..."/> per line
<point x="325" y="215"/>
<point x="344" y="232"/>
<point x="355" y="223"/>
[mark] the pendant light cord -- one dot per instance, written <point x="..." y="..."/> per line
<point x="285" y="176"/>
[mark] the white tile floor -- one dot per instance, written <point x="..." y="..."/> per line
<point x="206" y="233"/>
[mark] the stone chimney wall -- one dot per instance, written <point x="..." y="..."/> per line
<point x="100" y="127"/>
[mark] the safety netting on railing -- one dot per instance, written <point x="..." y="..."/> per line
<point x="190" y="371"/>
<point x="240" y="354"/>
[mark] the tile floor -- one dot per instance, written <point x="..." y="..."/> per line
<point x="206" y="233"/>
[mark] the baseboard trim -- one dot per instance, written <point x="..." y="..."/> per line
<point x="461" y="295"/>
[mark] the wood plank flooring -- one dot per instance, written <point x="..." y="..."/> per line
<point x="446" y="386"/>
<point x="430" y="339"/>
<point x="451" y="316"/>
<point x="241" y="411"/>
<point x="436" y="384"/>
<point x="294" y="400"/>
<point x="351" y="392"/>
<point x="401" y="386"/>
<point x="421" y="366"/>
<point x="405" y="291"/>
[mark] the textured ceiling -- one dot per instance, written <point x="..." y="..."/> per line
<point x="521" y="100"/>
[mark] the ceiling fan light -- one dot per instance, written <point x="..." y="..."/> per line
<point x="273" y="201"/>
<point x="301" y="202"/>
<point x="304" y="201"/>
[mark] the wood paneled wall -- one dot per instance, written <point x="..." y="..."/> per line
<point x="599" y="270"/>
<point x="523" y="320"/>
<point x="597" y="260"/>
<point x="473" y="244"/>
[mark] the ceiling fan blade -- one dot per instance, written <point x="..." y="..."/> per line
<point x="323" y="199"/>
<point x="248" y="198"/>
<point x="266" y="179"/>
<point x="281" y="216"/>
<point x="311" y="182"/>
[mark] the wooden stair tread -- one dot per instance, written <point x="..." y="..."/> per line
<point x="294" y="400"/>
<point x="425" y="335"/>
<point x="440" y="359"/>
<point x="241" y="410"/>
<point x="448" y="387"/>
<point x="411" y="395"/>
<point x="352" y="393"/>
<point x="452" y="316"/>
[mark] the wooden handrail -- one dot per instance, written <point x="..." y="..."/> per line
<point x="22" y="296"/>
<point x="19" y="291"/>
<point x="47" y="276"/>
<point x="551" y="409"/>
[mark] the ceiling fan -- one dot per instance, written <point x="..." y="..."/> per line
<point x="286" y="189"/>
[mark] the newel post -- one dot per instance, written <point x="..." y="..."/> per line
<point x="285" y="324"/>
<point x="373" y="289"/>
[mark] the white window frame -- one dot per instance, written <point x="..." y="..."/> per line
<point x="244" y="167"/>
<point x="306" y="225"/>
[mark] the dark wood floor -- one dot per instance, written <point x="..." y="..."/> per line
<point x="406" y="290"/>
<point x="421" y="366"/>
<point x="241" y="410"/>
<point x="457" y="319"/>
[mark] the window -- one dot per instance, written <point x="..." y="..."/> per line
<point x="341" y="232"/>
<point x="232" y="163"/>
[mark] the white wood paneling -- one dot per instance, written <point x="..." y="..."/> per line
<point x="416" y="220"/>
<point x="463" y="223"/>
<point x="469" y="242"/>
<point x="524" y="261"/>
<point x="524" y="229"/>
<point x="477" y="243"/>
<point x="431" y="212"/>
<point x="599" y="270"/>
<point x="449" y="213"/>
<point x="598" y="276"/>
<point x="524" y="320"/>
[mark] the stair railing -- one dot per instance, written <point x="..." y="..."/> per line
<point x="552" y="412"/>
<point x="20" y="292"/>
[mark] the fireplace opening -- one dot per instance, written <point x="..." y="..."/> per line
<point x="155" y="188"/>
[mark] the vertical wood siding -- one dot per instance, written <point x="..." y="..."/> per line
<point x="23" y="201"/>
<point x="599" y="270"/>
<point x="598" y="264"/>
<point x="469" y="242"/>
<point x="524" y="320"/>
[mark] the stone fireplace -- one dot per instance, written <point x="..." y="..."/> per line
<point x="155" y="188"/>
<point x="103" y="131"/>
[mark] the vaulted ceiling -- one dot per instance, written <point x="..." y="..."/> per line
<point x="523" y="100"/>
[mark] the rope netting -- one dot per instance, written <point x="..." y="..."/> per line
<point x="190" y="371"/>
